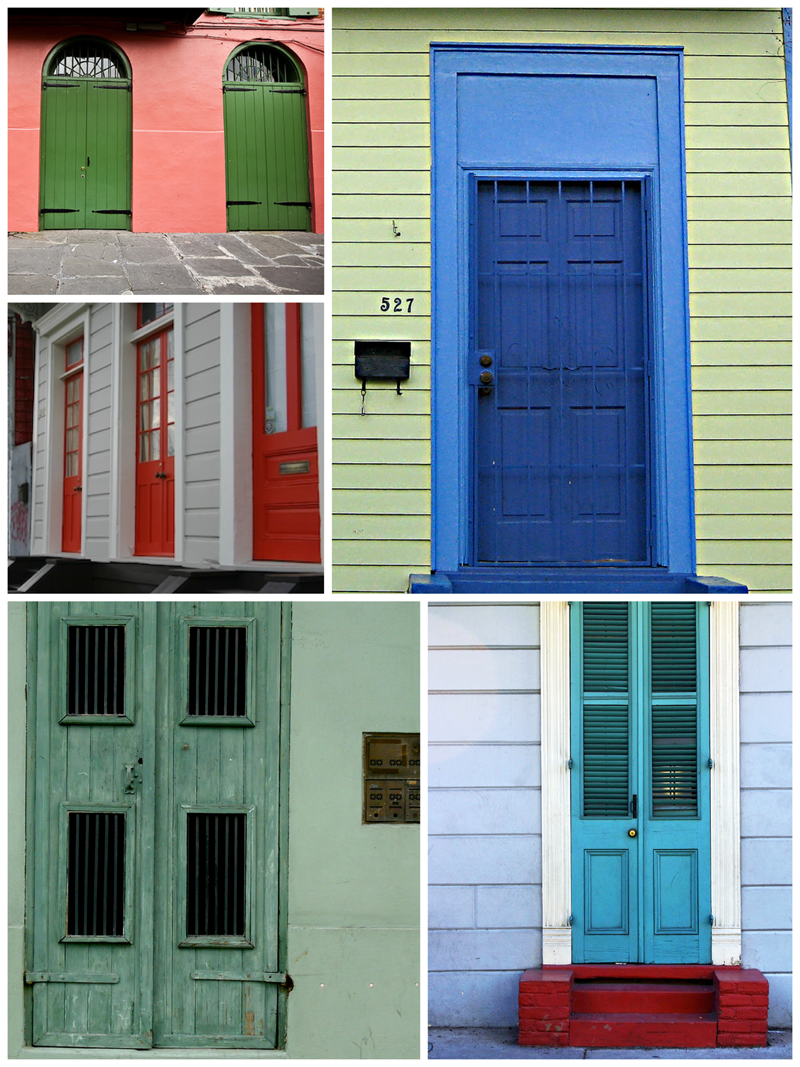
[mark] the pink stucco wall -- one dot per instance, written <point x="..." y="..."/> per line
<point x="178" y="137"/>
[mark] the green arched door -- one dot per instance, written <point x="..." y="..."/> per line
<point x="86" y="138"/>
<point x="266" y="141"/>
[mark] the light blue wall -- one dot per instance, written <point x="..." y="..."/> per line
<point x="765" y="632"/>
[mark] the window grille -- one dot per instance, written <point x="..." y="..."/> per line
<point x="96" y="670"/>
<point x="261" y="63"/>
<point x="95" y="876"/>
<point x="86" y="59"/>
<point x="217" y="671"/>
<point x="215" y="874"/>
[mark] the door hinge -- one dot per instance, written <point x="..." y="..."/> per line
<point x="569" y="763"/>
<point x="570" y="920"/>
<point x="33" y="977"/>
<point x="122" y="88"/>
<point x="297" y="92"/>
<point x="239" y="88"/>
<point x="292" y="203"/>
<point x="273" y="977"/>
<point x="110" y="211"/>
<point x="58" y="210"/>
<point x="236" y="203"/>
<point x="710" y="763"/>
<point x="711" y="919"/>
<point x="60" y="85"/>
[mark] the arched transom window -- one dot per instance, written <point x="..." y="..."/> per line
<point x="262" y="63"/>
<point x="86" y="59"/>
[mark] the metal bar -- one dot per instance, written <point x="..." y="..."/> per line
<point x="104" y="929"/>
<point x="32" y="977"/>
<point x="226" y="858"/>
<point x="236" y="875"/>
<point x="217" y="636"/>
<point x="207" y="632"/>
<point x="236" y="652"/>
<point x="96" y="703"/>
<point x="85" y="886"/>
<point x="217" y="923"/>
<point x="228" y="634"/>
<point x="275" y="977"/>
<point x="197" y="874"/>
<point x="206" y="894"/>
<point x="119" y="824"/>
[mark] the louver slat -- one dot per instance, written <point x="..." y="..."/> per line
<point x="605" y="648"/>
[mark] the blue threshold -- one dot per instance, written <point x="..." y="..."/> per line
<point x="570" y="580"/>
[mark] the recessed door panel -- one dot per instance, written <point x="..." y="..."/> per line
<point x="640" y="790"/>
<point x="559" y="355"/>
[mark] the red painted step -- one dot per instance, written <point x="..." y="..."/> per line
<point x="638" y="1030"/>
<point x="664" y="997"/>
<point x="652" y="972"/>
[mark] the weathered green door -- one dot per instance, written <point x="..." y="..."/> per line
<point x="86" y="140"/>
<point x="266" y="142"/>
<point x="155" y="808"/>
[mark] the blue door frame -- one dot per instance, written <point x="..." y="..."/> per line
<point x="522" y="112"/>
<point x="641" y="868"/>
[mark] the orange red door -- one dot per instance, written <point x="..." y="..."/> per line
<point x="155" y="446"/>
<point x="72" y="511"/>
<point x="285" y="464"/>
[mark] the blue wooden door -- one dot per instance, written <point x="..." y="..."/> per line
<point x="641" y="883"/>
<point x="558" y="374"/>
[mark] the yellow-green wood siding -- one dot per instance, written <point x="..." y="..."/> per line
<point x="739" y="190"/>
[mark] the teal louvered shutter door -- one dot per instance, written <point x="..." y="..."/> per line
<point x="640" y="783"/>
<point x="604" y="737"/>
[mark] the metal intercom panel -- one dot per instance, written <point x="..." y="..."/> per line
<point x="391" y="778"/>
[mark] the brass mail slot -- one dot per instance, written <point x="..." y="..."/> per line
<point x="297" y="466"/>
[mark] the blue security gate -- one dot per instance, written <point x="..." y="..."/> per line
<point x="641" y="882"/>
<point x="559" y="383"/>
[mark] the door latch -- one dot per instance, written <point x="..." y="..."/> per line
<point x="133" y="776"/>
<point x="634" y="806"/>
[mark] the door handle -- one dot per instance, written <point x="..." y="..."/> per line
<point x="77" y="489"/>
<point x="160" y="474"/>
<point x="634" y="806"/>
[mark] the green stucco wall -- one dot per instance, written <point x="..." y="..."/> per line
<point x="354" y="896"/>
<point x="353" y="917"/>
<point x="739" y="204"/>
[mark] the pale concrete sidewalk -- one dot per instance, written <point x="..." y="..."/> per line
<point x="116" y="262"/>
<point x="489" y="1043"/>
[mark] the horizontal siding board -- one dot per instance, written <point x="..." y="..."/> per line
<point x="741" y="378"/>
<point x="739" y="208"/>
<point x="395" y="499"/>
<point x="637" y="20"/>
<point x="739" y="90"/>
<point x="730" y="114"/>
<point x="383" y="254"/>
<point x="736" y="454"/>
<point x="725" y="160"/>
<point x="740" y="329"/>
<point x="768" y="579"/>
<point x="382" y="400"/>
<point x="379" y="527"/>
<point x="378" y="327"/>
<point x="410" y="181"/>
<point x="739" y="232"/>
<point x="390" y="426"/>
<point x="388" y="134"/>
<point x="742" y="255"/>
<point x="413" y="554"/>
<point x="388" y="157"/>
<point x="742" y="428"/>
<point x="731" y="502"/>
<point x="742" y="527"/>
<point x="360" y="579"/>
<point x="770" y="550"/>
<point x="361" y="88"/>
<point x="743" y="478"/>
<point x="363" y="479"/>
<point x="758" y="185"/>
<point x="380" y="229"/>
<point x="391" y="280"/>
<point x="383" y="450"/>
<point x="368" y="304"/>
<point x="391" y="206"/>
<point x="737" y="305"/>
<point x="731" y="280"/>
<point x="736" y="138"/>
<point x="755" y="401"/>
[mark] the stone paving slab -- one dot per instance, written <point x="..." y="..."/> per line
<point x="94" y="262"/>
<point x="493" y="1043"/>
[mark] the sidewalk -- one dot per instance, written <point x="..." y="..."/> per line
<point x="102" y="262"/>
<point x="484" y="1043"/>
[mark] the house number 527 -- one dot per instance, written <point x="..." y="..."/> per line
<point x="395" y="304"/>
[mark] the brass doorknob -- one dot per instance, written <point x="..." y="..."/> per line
<point x="487" y="377"/>
<point x="486" y="361"/>
<point x="631" y="833"/>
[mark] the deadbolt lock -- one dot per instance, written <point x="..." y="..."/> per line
<point x="486" y="361"/>
<point x="487" y="377"/>
<point x="631" y="833"/>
